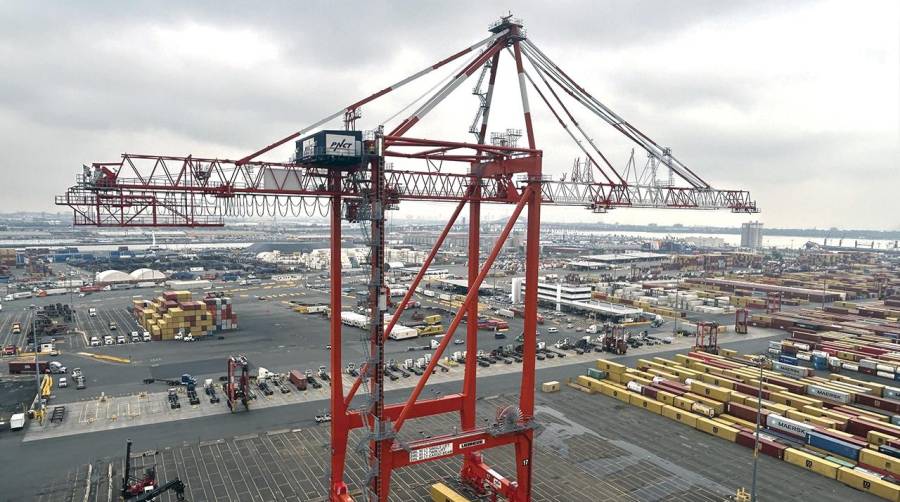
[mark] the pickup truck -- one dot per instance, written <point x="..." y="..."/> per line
<point x="92" y="312"/>
<point x="95" y="341"/>
<point x="108" y="340"/>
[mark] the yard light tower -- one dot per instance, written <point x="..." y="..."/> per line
<point x="761" y="361"/>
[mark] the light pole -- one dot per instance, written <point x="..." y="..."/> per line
<point x="37" y="366"/>
<point x="760" y="360"/>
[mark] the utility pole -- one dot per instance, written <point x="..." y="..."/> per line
<point x="37" y="367"/>
<point x="761" y="361"/>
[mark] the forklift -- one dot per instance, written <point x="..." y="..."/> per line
<point x="141" y="489"/>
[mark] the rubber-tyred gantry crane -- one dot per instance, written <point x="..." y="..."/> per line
<point x="347" y="176"/>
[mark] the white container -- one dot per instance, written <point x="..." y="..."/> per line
<point x="828" y="394"/>
<point x="788" y="426"/>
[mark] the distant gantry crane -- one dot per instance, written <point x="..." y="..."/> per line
<point x="344" y="174"/>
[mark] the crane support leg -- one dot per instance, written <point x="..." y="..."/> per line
<point x="339" y="418"/>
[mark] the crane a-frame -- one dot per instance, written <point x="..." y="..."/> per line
<point x="159" y="191"/>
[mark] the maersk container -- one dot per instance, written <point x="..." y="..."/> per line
<point x="828" y="394"/>
<point x="788" y="426"/>
<point x="834" y="445"/>
<point x="331" y="147"/>
<point x="791" y="370"/>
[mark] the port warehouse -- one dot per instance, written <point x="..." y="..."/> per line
<point x="839" y="426"/>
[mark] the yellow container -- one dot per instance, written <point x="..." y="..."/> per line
<point x="869" y="484"/>
<point x="810" y="419"/>
<point x="737" y="421"/>
<point x="683" y="403"/>
<point x="880" y="461"/>
<point x="589" y="382"/>
<point x="718" y="381"/>
<point x="665" y="397"/>
<point x="717" y="406"/>
<point x="711" y="391"/>
<point x="663" y="374"/>
<point x="550" y="386"/>
<point x="794" y="400"/>
<point x="811" y="462"/>
<point x="776" y="407"/>
<point x="679" y="415"/>
<point x="878" y="438"/>
<point x="647" y="403"/>
<point x="610" y="367"/>
<point x="723" y="431"/>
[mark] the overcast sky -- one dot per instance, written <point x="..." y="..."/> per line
<point x="795" y="101"/>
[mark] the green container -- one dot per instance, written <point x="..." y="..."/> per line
<point x="595" y="373"/>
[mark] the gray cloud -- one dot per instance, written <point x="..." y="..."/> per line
<point x="87" y="81"/>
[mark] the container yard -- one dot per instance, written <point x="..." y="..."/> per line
<point x="512" y="261"/>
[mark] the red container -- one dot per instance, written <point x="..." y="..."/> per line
<point x="659" y="388"/>
<point x="766" y="446"/>
<point x="746" y="412"/>
<point x="891" y="406"/>
<point x="298" y="379"/>
<point x="648" y="391"/>
<point x="793" y="386"/>
<point x="859" y="426"/>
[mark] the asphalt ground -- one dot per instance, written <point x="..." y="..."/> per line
<point x="270" y="335"/>
<point x="55" y="464"/>
<point x="591" y="448"/>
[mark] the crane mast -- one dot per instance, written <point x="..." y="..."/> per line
<point x="350" y="179"/>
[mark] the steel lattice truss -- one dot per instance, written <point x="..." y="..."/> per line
<point x="155" y="190"/>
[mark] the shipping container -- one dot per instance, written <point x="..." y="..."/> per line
<point x="298" y="379"/>
<point x="833" y="445"/>
<point x="788" y="426"/>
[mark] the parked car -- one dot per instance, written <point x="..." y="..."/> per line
<point x="79" y="383"/>
<point x="113" y="326"/>
<point x="62" y="383"/>
<point x="95" y="341"/>
<point x="146" y="336"/>
<point x="135" y="337"/>
<point x="120" y="339"/>
<point x="188" y="338"/>
<point x="108" y="340"/>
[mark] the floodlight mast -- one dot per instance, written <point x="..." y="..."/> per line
<point x="159" y="191"/>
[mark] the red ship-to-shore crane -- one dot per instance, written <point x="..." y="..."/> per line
<point x="154" y="190"/>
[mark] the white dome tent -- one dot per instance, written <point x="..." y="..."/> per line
<point x="147" y="274"/>
<point x="112" y="276"/>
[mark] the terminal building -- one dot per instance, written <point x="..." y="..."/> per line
<point x="574" y="298"/>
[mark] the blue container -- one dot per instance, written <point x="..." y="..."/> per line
<point x="889" y="450"/>
<point x="788" y="360"/>
<point x="833" y="445"/>
<point x="820" y="363"/>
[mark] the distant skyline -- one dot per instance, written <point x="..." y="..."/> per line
<point x="797" y="102"/>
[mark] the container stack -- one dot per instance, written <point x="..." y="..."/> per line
<point x="219" y="307"/>
<point x="175" y="312"/>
